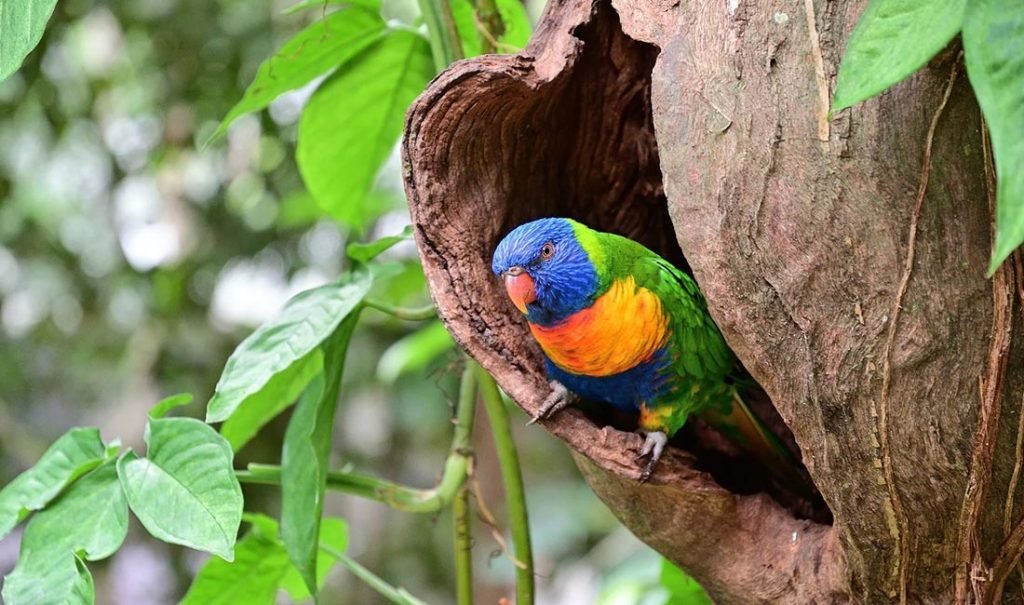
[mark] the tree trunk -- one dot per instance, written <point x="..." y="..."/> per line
<point x="844" y="261"/>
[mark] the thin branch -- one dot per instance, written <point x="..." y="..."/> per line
<point x="489" y="23"/>
<point x="1009" y="553"/>
<point x="512" y="477"/>
<point x="397" y="496"/>
<point x="489" y="39"/>
<point x="1015" y="477"/>
<point x="1018" y="265"/>
<point x="395" y="594"/>
<point x="487" y="518"/>
<point x="460" y="507"/>
<point x="462" y="522"/>
<point x="408" y="314"/>
<point x="445" y="44"/>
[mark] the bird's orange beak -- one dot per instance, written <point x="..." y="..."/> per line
<point x="519" y="286"/>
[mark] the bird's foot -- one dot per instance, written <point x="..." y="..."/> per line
<point x="559" y="398"/>
<point x="653" y="445"/>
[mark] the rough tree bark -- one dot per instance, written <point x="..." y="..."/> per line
<point x="843" y="259"/>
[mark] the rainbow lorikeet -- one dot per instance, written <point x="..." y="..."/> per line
<point x="619" y="324"/>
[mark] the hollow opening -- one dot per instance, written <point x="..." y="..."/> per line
<point x="599" y="164"/>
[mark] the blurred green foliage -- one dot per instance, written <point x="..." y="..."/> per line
<point x="133" y="259"/>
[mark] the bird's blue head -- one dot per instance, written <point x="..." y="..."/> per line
<point x="547" y="271"/>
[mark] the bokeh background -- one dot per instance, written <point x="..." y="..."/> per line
<point x="133" y="258"/>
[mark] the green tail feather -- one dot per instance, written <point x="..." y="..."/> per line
<point x="748" y="433"/>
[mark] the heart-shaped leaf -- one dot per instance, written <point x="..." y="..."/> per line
<point x="352" y="122"/>
<point x="89" y="520"/>
<point x="75" y="453"/>
<point x="185" y="490"/>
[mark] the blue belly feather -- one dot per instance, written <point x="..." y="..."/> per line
<point x="626" y="390"/>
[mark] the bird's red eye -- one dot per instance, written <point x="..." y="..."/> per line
<point x="547" y="251"/>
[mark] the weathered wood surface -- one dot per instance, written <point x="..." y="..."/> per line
<point x="703" y="125"/>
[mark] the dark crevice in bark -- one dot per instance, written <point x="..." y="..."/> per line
<point x="599" y="164"/>
<point x="605" y="135"/>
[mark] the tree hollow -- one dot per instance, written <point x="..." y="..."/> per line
<point x="702" y="128"/>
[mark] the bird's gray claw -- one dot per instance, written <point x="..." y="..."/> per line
<point x="653" y="445"/>
<point x="559" y="398"/>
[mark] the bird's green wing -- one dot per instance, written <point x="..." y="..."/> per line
<point x="702" y="363"/>
<point x="700" y="356"/>
<point x="700" y="351"/>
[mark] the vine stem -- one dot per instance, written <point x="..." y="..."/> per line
<point x="508" y="459"/>
<point x="445" y="44"/>
<point x="397" y="595"/>
<point x="408" y="314"/>
<point x="463" y="548"/>
<point x="460" y="507"/>
<point x="488" y="19"/>
<point x="400" y="497"/>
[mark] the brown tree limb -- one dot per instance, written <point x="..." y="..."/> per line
<point x="1006" y="282"/>
<point x="901" y="524"/>
<point x="564" y="128"/>
<point x="697" y="124"/>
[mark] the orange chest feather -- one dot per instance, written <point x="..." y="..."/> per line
<point x="624" y="327"/>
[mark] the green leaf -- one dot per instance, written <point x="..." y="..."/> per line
<point x="21" y="27"/>
<point x="261" y="567"/>
<point x="683" y="590"/>
<point x="185" y="490"/>
<point x="465" y="22"/>
<point x="90" y="518"/>
<point x="321" y="47"/>
<point x="260" y="564"/>
<point x="264" y="405"/>
<point x="83" y="592"/>
<point x="304" y="322"/>
<point x="333" y="535"/>
<point x="352" y="122"/>
<point x="364" y="253"/>
<point x="517" y="24"/>
<point x="261" y="525"/>
<point x="994" y="51"/>
<point x="75" y="453"/>
<point x="413" y="352"/>
<point x="169" y="403"/>
<point x="305" y="457"/>
<point x="893" y="39"/>
<point x="60" y="579"/>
